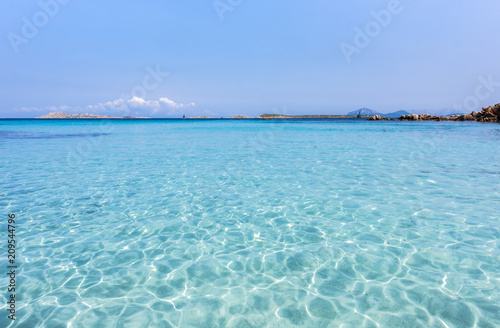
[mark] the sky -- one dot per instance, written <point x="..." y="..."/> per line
<point x="165" y="58"/>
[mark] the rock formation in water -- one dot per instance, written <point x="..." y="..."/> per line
<point x="488" y="114"/>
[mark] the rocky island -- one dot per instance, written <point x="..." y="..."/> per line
<point x="62" y="115"/>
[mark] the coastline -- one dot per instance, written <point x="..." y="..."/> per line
<point x="490" y="114"/>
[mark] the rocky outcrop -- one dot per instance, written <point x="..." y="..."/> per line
<point x="380" y="118"/>
<point x="424" y="117"/>
<point x="488" y="114"/>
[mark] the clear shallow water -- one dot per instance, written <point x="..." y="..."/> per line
<point x="253" y="224"/>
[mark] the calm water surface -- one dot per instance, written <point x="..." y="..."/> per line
<point x="340" y="223"/>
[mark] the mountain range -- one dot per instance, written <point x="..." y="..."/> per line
<point x="368" y="111"/>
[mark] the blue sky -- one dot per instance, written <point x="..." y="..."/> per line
<point x="229" y="57"/>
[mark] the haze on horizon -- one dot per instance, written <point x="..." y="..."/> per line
<point x="224" y="58"/>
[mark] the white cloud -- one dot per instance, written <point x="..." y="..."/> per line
<point x="173" y="104"/>
<point x="135" y="106"/>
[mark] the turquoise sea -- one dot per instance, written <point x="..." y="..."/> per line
<point x="227" y="223"/>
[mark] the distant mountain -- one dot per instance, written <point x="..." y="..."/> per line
<point x="364" y="111"/>
<point x="371" y="112"/>
<point x="397" y="114"/>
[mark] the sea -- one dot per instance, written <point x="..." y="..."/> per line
<point x="249" y="223"/>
